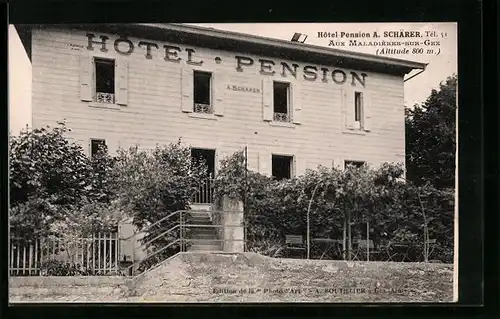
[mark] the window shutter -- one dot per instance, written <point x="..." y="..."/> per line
<point x="218" y="82"/>
<point x="348" y="107"/>
<point x="296" y="102"/>
<point x="121" y="81"/>
<point x="300" y="165"/>
<point x="187" y="90"/>
<point x="265" y="163"/>
<point x="253" y="161"/>
<point x="367" y="110"/>
<point x="86" y="77"/>
<point x="267" y="100"/>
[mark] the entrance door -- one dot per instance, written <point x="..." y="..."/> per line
<point x="207" y="155"/>
<point x="204" y="195"/>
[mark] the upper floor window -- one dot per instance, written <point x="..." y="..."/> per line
<point x="281" y="99"/>
<point x="202" y="92"/>
<point x="358" y="109"/>
<point x="104" y="80"/>
<point x="282" y="166"/>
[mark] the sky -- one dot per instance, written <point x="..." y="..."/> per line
<point x="416" y="90"/>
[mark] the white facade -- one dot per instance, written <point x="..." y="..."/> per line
<point x="154" y="100"/>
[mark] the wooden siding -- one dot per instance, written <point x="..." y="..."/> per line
<point x="153" y="111"/>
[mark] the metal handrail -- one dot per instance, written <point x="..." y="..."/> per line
<point x="160" y="235"/>
<point x="152" y="254"/>
<point x="161" y="220"/>
<point x="182" y="226"/>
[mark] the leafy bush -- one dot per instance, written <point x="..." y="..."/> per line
<point x="45" y="165"/>
<point x="271" y="247"/>
<point x="52" y="179"/>
<point x="64" y="268"/>
<point x="337" y="199"/>
<point x="150" y="185"/>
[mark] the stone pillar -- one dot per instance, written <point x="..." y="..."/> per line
<point x="232" y="215"/>
<point x="130" y="241"/>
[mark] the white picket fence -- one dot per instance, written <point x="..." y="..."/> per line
<point x="98" y="254"/>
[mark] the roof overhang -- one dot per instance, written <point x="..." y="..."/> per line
<point x="250" y="44"/>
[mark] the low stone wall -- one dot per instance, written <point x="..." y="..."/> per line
<point x="64" y="289"/>
<point x="249" y="277"/>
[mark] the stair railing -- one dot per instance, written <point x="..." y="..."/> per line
<point x="181" y="240"/>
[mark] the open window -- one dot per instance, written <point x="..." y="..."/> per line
<point x="281" y="99"/>
<point x="282" y="166"/>
<point x="104" y="80"/>
<point x="359" y="112"/>
<point x="202" y="92"/>
<point x="96" y="145"/>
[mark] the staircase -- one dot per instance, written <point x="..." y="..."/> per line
<point x="202" y="238"/>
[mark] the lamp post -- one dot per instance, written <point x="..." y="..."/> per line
<point x="308" y="220"/>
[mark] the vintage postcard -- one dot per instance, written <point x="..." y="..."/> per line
<point x="251" y="162"/>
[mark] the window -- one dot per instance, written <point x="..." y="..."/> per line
<point x="356" y="164"/>
<point x="281" y="105"/>
<point x="282" y="166"/>
<point x="358" y="108"/>
<point x="105" y="80"/>
<point x="96" y="145"/>
<point x="202" y="92"/>
<point x="206" y="156"/>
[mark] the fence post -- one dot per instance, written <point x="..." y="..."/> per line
<point x="367" y="240"/>
<point x="30" y="258"/>
<point x="36" y="255"/>
<point x="182" y="231"/>
<point x="116" y="251"/>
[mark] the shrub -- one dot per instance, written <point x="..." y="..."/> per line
<point x="150" y="185"/>
<point x="381" y="196"/>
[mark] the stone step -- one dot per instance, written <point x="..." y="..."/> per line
<point x="204" y="242"/>
<point x="204" y="248"/>
<point x="203" y="236"/>
<point x="201" y="218"/>
<point x="206" y="207"/>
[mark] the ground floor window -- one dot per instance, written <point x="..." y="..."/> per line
<point x="96" y="145"/>
<point x="282" y="166"/>
<point x="357" y="164"/>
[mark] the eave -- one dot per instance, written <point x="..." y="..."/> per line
<point x="254" y="45"/>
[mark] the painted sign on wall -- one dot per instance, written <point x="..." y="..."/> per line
<point x="172" y="53"/>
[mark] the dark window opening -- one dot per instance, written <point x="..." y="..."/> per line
<point x="202" y="87"/>
<point x="96" y="145"/>
<point x="282" y="166"/>
<point x="281" y="97"/>
<point x="358" y="106"/>
<point x="105" y="76"/>
<point x="206" y="156"/>
<point x="356" y="164"/>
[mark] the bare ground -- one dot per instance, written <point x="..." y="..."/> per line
<point x="249" y="277"/>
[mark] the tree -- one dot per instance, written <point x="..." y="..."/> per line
<point x="431" y="138"/>
<point x="52" y="178"/>
<point x="45" y="165"/>
<point x="149" y="185"/>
